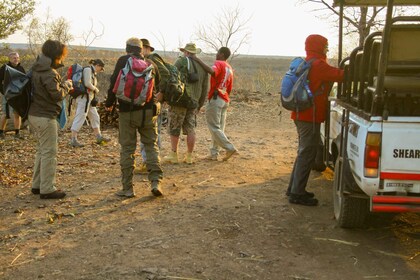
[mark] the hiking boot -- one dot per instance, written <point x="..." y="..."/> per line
<point x="229" y="154"/>
<point x="102" y="140"/>
<point x="126" y="193"/>
<point x="171" y="158"/>
<point x="19" y="137"/>
<point x="308" y="194"/>
<point x="141" y="169"/>
<point x="35" y="191"/>
<point x="156" y="188"/>
<point x="303" y="200"/>
<point x="58" y="194"/>
<point x="75" y="144"/>
<point x="189" y="158"/>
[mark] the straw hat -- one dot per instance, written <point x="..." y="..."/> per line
<point x="191" y="48"/>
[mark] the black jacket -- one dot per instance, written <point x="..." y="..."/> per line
<point x="111" y="98"/>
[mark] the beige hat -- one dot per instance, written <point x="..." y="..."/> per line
<point x="134" y="42"/>
<point x="191" y="48"/>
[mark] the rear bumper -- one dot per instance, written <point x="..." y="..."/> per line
<point x="395" y="204"/>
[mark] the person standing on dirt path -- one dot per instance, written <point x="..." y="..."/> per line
<point x="147" y="51"/>
<point x="221" y="84"/>
<point x="184" y="117"/>
<point x="7" y="111"/>
<point x="321" y="78"/>
<point x="133" y="119"/>
<point x="48" y="94"/>
<point x="86" y="104"/>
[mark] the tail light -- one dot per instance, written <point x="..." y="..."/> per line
<point x="372" y="154"/>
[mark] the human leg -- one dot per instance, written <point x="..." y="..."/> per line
<point x="128" y="141"/>
<point x="79" y="120"/>
<point x="176" y="119"/>
<point x="308" y="134"/>
<point x="95" y="122"/>
<point x="17" y="121"/>
<point x="44" y="177"/>
<point x="148" y="137"/>
<point x="216" y="120"/>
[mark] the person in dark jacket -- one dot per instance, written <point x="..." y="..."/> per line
<point x="132" y="119"/>
<point x="321" y="78"/>
<point x="48" y="94"/>
<point x="7" y="111"/>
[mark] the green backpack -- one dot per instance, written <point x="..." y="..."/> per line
<point x="171" y="82"/>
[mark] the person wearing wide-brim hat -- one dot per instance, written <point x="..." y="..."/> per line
<point x="182" y="115"/>
<point x="191" y="48"/>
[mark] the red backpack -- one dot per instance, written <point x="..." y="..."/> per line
<point x="135" y="82"/>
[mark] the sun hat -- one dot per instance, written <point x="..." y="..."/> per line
<point x="146" y="43"/>
<point x="191" y="48"/>
<point x="99" y="62"/>
<point x="134" y="42"/>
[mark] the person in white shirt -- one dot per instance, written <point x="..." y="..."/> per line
<point x="85" y="107"/>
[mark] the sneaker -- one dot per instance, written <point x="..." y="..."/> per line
<point x="141" y="168"/>
<point x="156" y="188"/>
<point x="308" y="194"/>
<point x="229" y="154"/>
<point x="303" y="200"/>
<point x="126" y="193"/>
<point x="189" y="158"/>
<point x="35" y="191"/>
<point x="171" y="158"/>
<point x="54" y="195"/>
<point x="75" y="144"/>
<point x="102" y="140"/>
<point x="19" y="137"/>
<point x="211" y="157"/>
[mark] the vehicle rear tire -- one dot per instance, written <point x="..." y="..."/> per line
<point x="349" y="212"/>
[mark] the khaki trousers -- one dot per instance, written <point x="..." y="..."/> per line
<point x="145" y="123"/>
<point x="46" y="132"/>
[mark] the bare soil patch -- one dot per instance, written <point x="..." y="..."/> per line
<point x="216" y="220"/>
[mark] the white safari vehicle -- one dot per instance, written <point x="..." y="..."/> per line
<point x="372" y="138"/>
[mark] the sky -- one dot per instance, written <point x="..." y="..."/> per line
<point x="278" y="27"/>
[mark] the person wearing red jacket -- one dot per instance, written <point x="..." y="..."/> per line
<point x="321" y="78"/>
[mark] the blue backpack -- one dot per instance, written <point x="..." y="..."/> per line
<point x="295" y="93"/>
<point x="75" y="73"/>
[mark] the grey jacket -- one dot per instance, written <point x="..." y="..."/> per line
<point x="48" y="89"/>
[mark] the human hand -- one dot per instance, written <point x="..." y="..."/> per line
<point x="159" y="96"/>
<point x="109" y="109"/>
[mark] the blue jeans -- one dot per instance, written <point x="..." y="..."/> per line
<point x="309" y="135"/>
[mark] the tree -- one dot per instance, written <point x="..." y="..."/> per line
<point x="230" y="30"/>
<point x="39" y="31"/>
<point x="357" y="20"/>
<point x="12" y="12"/>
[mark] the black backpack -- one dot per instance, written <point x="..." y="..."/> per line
<point x="17" y="89"/>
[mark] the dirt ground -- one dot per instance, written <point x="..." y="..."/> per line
<point x="216" y="220"/>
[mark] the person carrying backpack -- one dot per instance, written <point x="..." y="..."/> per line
<point x="183" y="117"/>
<point x="321" y="77"/>
<point x="48" y="93"/>
<point x="137" y="113"/>
<point x="7" y="111"/>
<point x="85" y="104"/>
<point x="147" y="51"/>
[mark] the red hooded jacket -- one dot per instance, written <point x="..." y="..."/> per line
<point x="321" y="78"/>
